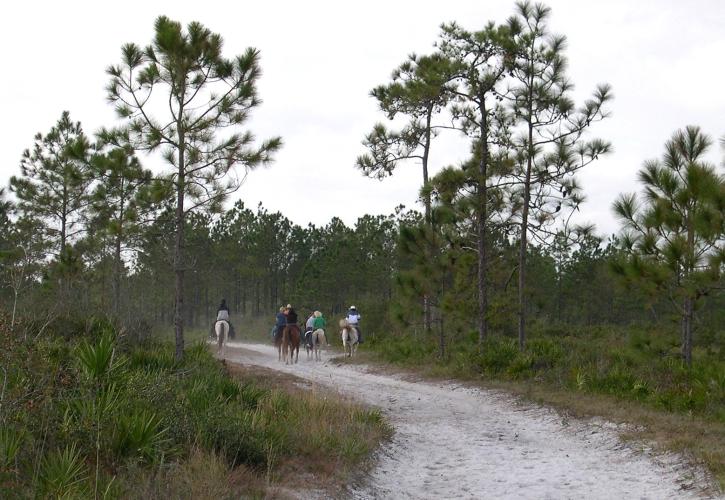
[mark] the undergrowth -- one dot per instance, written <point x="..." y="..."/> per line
<point x="641" y="367"/>
<point x="93" y="415"/>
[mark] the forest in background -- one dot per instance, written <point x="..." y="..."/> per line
<point x="490" y="279"/>
<point x="88" y="228"/>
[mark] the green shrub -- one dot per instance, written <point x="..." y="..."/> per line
<point x="140" y="434"/>
<point x="235" y="437"/>
<point x="98" y="360"/>
<point x="11" y="441"/>
<point x="496" y="356"/>
<point x="64" y="474"/>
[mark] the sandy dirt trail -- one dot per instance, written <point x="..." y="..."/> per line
<point x="453" y="441"/>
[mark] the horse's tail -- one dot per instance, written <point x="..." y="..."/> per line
<point x="221" y="333"/>
<point x="284" y="342"/>
<point x="286" y="336"/>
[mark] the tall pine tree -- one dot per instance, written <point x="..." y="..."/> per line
<point x="207" y="98"/>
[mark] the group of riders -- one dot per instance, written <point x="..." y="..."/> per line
<point x="287" y="316"/>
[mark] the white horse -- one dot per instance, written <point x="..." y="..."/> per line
<point x="317" y="338"/>
<point x="349" y="338"/>
<point x="221" y="328"/>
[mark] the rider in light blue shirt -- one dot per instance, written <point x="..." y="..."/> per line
<point x="353" y="317"/>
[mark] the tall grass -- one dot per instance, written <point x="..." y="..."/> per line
<point x="94" y="416"/>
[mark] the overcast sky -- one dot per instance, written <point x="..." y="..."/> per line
<point x="664" y="59"/>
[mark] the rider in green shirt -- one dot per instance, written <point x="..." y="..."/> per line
<point x="319" y="322"/>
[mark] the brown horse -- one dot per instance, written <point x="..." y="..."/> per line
<point x="291" y="344"/>
<point x="278" y="342"/>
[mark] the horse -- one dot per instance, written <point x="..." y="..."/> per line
<point x="278" y="342"/>
<point x="308" y="343"/>
<point x="221" y="328"/>
<point x="291" y="344"/>
<point x="317" y="338"/>
<point x="349" y="338"/>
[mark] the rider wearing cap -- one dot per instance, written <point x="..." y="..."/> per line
<point x="353" y="318"/>
<point x="280" y="322"/>
<point x="291" y="315"/>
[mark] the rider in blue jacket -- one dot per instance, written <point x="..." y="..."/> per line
<point x="281" y="321"/>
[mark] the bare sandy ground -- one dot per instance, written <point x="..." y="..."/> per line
<point x="453" y="441"/>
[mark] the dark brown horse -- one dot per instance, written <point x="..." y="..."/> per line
<point x="278" y="342"/>
<point x="290" y="344"/>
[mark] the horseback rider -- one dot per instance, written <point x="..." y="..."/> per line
<point x="353" y="318"/>
<point x="319" y="323"/>
<point x="280" y="321"/>
<point x="309" y="328"/>
<point x="222" y="314"/>
<point x="291" y="315"/>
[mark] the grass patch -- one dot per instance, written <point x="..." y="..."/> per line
<point x="325" y="434"/>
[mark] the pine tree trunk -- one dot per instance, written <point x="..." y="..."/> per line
<point x="687" y="331"/>
<point x="427" y="314"/>
<point x="441" y="340"/>
<point x="64" y="220"/>
<point x="179" y="256"/>
<point x="522" y="263"/>
<point x="117" y="278"/>
<point x="525" y="224"/>
<point x="689" y="302"/>
<point x="481" y="225"/>
<point x="15" y="307"/>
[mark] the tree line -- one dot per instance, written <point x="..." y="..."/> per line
<point x="495" y="251"/>
<point x="506" y="90"/>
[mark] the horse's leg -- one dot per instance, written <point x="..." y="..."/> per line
<point x="226" y="339"/>
<point x="218" y="336"/>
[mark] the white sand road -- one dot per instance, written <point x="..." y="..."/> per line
<point x="453" y="441"/>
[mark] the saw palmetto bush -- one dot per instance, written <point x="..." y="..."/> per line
<point x="64" y="474"/>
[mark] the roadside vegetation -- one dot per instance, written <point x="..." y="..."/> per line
<point x="85" y="413"/>
<point x="634" y="376"/>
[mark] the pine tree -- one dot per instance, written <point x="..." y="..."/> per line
<point x="480" y="60"/>
<point x="53" y="188"/>
<point x="674" y="234"/>
<point x="550" y="147"/>
<point x="115" y="204"/>
<point x="207" y="98"/>
<point x="420" y="90"/>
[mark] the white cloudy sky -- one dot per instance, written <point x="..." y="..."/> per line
<point x="664" y="58"/>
